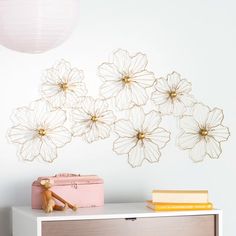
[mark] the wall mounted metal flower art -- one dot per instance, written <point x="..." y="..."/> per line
<point x="172" y="95"/>
<point x="42" y="127"/>
<point x="140" y="137"/>
<point x="126" y="79"/>
<point x="39" y="130"/>
<point x="63" y="86"/>
<point x="92" y="120"/>
<point x="203" y="132"/>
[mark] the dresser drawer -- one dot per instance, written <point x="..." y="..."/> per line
<point x="203" y="225"/>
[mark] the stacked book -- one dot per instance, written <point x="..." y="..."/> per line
<point x="179" y="200"/>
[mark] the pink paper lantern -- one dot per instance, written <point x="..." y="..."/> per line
<point x="36" y="26"/>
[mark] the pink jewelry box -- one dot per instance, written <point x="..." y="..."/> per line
<point x="79" y="190"/>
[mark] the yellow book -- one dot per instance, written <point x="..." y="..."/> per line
<point x="180" y="196"/>
<point x="179" y="206"/>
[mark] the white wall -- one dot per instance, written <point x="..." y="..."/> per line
<point x="195" y="38"/>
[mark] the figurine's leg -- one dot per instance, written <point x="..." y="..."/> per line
<point x="74" y="208"/>
<point x="60" y="208"/>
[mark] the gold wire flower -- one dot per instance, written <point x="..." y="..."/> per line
<point x="93" y="120"/>
<point x="126" y="79"/>
<point x="63" y="86"/>
<point x="140" y="137"/>
<point x="39" y="131"/>
<point x="203" y="133"/>
<point x="172" y="95"/>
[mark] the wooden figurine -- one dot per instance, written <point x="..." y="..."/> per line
<point x="48" y="199"/>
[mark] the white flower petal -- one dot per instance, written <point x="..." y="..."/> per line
<point x="40" y="110"/>
<point x="200" y="114"/>
<point x="48" y="150"/>
<point x="123" y="98"/>
<point x="79" y="88"/>
<point x="100" y="107"/>
<point x="162" y="86"/>
<point x="58" y="101"/>
<point x="59" y="136"/>
<point x="107" y="117"/>
<point x="78" y="115"/>
<point x="63" y="68"/>
<point x="151" y="151"/>
<point x="139" y="95"/>
<point x="30" y="149"/>
<point x="137" y="118"/>
<point x="219" y="133"/>
<point x="178" y="107"/>
<point x="88" y="105"/>
<point x="189" y="125"/>
<point x="167" y="107"/>
<point x="159" y="136"/>
<point x="52" y="76"/>
<point x="55" y="119"/>
<point x="160" y="98"/>
<point x="184" y="87"/>
<point x="92" y="134"/>
<point x="138" y="63"/>
<point x="188" y="140"/>
<point x="75" y="76"/>
<point x="23" y="116"/>
<point x="82" y="127"/>
<point x="215" y="118"/>
<point x="122" y="61"/>
<point x="109" y="72"/>
<point x="151" y="121"/>
<point x="136" y="155"/>
<point x="123" y="145"/>
<point x="173" y="80"/>
<point x="198" y="152"/>
<point x="187" y="99"/>
<point x="111" y="88"/>
<point x="103" y="129"/>
<point x="124" y="128"/>
<point x="144" y="78"/>
<point x="213" y="148"/>
<point x="48" y="90"/>
<point x="72" y="100"/>
<point x="20" y="134"/>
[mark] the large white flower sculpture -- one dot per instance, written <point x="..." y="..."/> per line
<point x="203" y="132"/>
<point x="39" y="131"/>
<point x="92" y="120"/>
<point x="126" y="79"/>
<point x="140" y="137"/>
<point x="63" y="86"/>
<point x="172" y="95"/>
<point x="128" y="88"/>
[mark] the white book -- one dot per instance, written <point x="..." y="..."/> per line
<point x="180" y="196"/>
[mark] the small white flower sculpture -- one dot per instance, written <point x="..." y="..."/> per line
<point x="93" y="120"/>
<point x="39" y="131"/>
<point x="203" y="132"/>
<point x="63" y="86"/>
<point x="140" y="137"/>
<point x="172" y="95"/>
<point x="126" y="79"/>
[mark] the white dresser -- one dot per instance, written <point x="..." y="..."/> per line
<point x="118" y="219"/>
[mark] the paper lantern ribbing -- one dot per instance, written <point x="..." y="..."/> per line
<point x="36" y="26"/>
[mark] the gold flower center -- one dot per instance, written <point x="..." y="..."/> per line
<point x="94" y="118"/>
<point x="173" y="94"/>
<point x="140" y="136"/>
<point x="126" y="79"/>
<point x="63" y="86"/>
<point x="42" y="132"/>
<point x="203" y="132"/>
